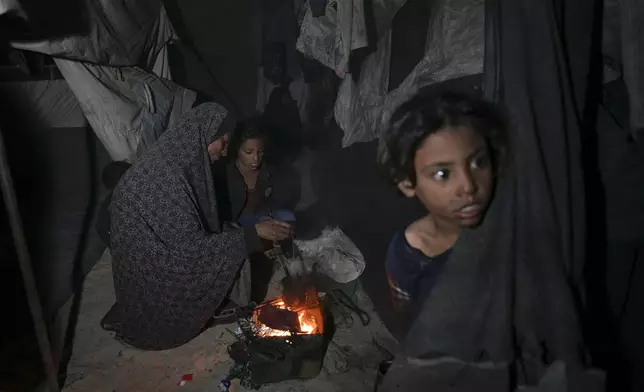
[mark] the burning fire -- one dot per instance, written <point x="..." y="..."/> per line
<point x="309" y="315"/>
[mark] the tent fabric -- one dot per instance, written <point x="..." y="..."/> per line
<point x="121" y="33"/>
<point x="623" y="45"/>
<point x="127" y="107"/>
<point x="49" y="102"/>
<point x="7" y="6"/>
<point x="632" y="22"/>
<point x="331" y="38"/>
<point x="109" y="72"/>
<point x="454" y="48"/>
<point x="505" y="310"/>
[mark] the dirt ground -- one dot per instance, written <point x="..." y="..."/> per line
<point x="100" y="363"/>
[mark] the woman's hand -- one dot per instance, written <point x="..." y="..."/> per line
<point x="274" y="230"/>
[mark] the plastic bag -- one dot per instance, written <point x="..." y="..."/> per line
<point x="332" y="254"/>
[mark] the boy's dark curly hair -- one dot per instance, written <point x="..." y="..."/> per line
<point x="426" y="113"/>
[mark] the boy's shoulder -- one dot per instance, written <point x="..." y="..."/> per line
<point x="406" y="241"/>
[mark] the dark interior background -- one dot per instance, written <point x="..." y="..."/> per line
<point x="56" y="174"/>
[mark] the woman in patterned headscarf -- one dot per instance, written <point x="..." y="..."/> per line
<point x="173" y="262"/>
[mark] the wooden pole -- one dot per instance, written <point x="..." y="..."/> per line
<point x="10" y="201"/>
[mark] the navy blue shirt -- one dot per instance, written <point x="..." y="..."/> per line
<point x="412" y="275"/>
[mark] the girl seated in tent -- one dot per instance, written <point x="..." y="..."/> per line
<point x="443" y="150"/>
<point x="252" y="191"/>
<point x="256" y="190"/>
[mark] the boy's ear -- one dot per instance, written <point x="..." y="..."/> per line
<point x="407" y="188"/>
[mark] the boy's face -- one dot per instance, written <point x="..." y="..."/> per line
<point x="454" y="178"/>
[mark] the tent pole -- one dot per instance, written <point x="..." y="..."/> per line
<point x="24" y="260"/>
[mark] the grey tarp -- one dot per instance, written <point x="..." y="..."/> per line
<point x="127" y="107"/>
<point x="454" y="48"/>
<point x="331" y="38"/>
<point x="504" y="312"/>
<point x="121" y="33"/>
<point x="110" y="70"/>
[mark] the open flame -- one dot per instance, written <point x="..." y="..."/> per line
<point x="309" y="315"/>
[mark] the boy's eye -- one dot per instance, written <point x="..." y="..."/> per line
<point x="441" y="175"/>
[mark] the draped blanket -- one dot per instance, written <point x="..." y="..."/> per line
<point x="505" y="311"/>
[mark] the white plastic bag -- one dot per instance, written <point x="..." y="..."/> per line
<point x="332" y="254"/>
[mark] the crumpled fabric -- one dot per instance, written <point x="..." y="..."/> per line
<point x="455" y="48"/>
<point x="332" y="254"/>
<point x="119" y="73"/>
<point x="121" y="33"/>
<point x="127" y="108"/>
<point x="331" y="38"/>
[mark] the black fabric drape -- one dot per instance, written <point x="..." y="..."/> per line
<point x="504" y="312"/>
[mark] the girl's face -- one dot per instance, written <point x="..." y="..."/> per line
<point x="454" y="177"/>
<point x="251" y="154"/>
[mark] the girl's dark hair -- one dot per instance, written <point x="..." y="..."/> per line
<point x="252" y="128"/>
<point x="426" y="113"/>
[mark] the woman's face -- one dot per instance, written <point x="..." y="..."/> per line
<point x="251" y="154"/>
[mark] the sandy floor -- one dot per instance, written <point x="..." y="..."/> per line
<point x="100" y="363"/>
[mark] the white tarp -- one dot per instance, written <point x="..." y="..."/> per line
<point x="332" y="254"/>
<point x="127" y="107"/>
<point x="121" y="33"/>
<point x="331" y="38"/>
<point x="111" y="71"/>
<point x="454" y="48"/>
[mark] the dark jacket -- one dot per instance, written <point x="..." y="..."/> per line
<point x="280" y="186"/>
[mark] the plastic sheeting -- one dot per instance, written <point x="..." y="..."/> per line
<point x="121" y="33"/>
<point x="454" y="48"/>
<point x="332" y="254"/>
<point x="330" y="39"/>
<point x="111" y="71"/>
<point x="127" y="107"/>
